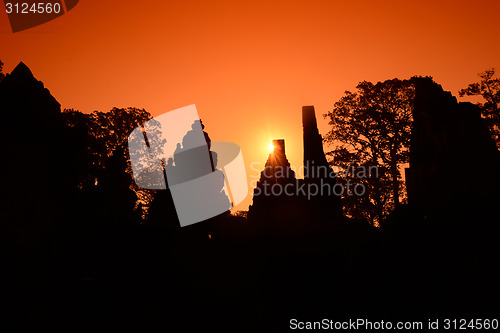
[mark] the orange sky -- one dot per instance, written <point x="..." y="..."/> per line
<point x="249" y="66"/>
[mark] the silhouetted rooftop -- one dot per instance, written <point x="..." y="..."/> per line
<point x="22" y="70"/>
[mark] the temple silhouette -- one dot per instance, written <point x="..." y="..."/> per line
<point x="449" y="144"/>
<point x="76" y="254"/>
<point x="280" y="196"/>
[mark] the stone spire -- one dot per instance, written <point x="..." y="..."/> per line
<point x="280" y="196"/>
<point x="316" y="168"/>
<point x="277" y="169"/>
<point x="313" y="142"/>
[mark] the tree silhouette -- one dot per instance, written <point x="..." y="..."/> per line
<point x="371" y="127"/>
<point x="142" y="159"/>
<point x="115" y="194"/>
<point x="109" y="129"/>
<point x="2" y="75"/>
<point x="107" y="135"/>
<point x="489" y="88"/>
<point x="91" y="152"/>
<point x="113" y="127"/>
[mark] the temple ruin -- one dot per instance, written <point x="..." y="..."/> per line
<point x="279" y="195"/>
<point x="454" y="163"/>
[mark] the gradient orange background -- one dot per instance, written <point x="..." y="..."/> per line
<point x="249" y="66"/>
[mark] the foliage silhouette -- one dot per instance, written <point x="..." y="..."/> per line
<point x="109" y="129"/>
<point x="2" y="75"/>
<point x="489" y="88"/>
<point x="371" y="127"/>
<point x="104" y="134"/>
<point x="225" y="274"/>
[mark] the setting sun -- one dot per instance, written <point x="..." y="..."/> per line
<point x="270" y="148"/>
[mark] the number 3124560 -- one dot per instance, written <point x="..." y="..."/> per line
<point x="35" y="8"/>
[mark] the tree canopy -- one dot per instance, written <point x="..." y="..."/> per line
<point x="104" y="135"/>
<point x="371" y="127"/>
<point x="2" y="75"/>
<point x="489" y="88"/>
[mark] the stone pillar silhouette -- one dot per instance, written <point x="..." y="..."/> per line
<point x="277" y="169"/>
<point x="316" y="168"/>
<point x="313" y="142"/>
<point x="270" y="201"/>
<point x="280" y="196"/>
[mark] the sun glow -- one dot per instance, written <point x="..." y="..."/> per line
<point x="270" y="148"/>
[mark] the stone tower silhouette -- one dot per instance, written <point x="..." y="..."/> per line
<point x="313" y="142"/>
<point x="316" y="168"/>
<point x="304" y="199"/>
<point x="447" y="134"/>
